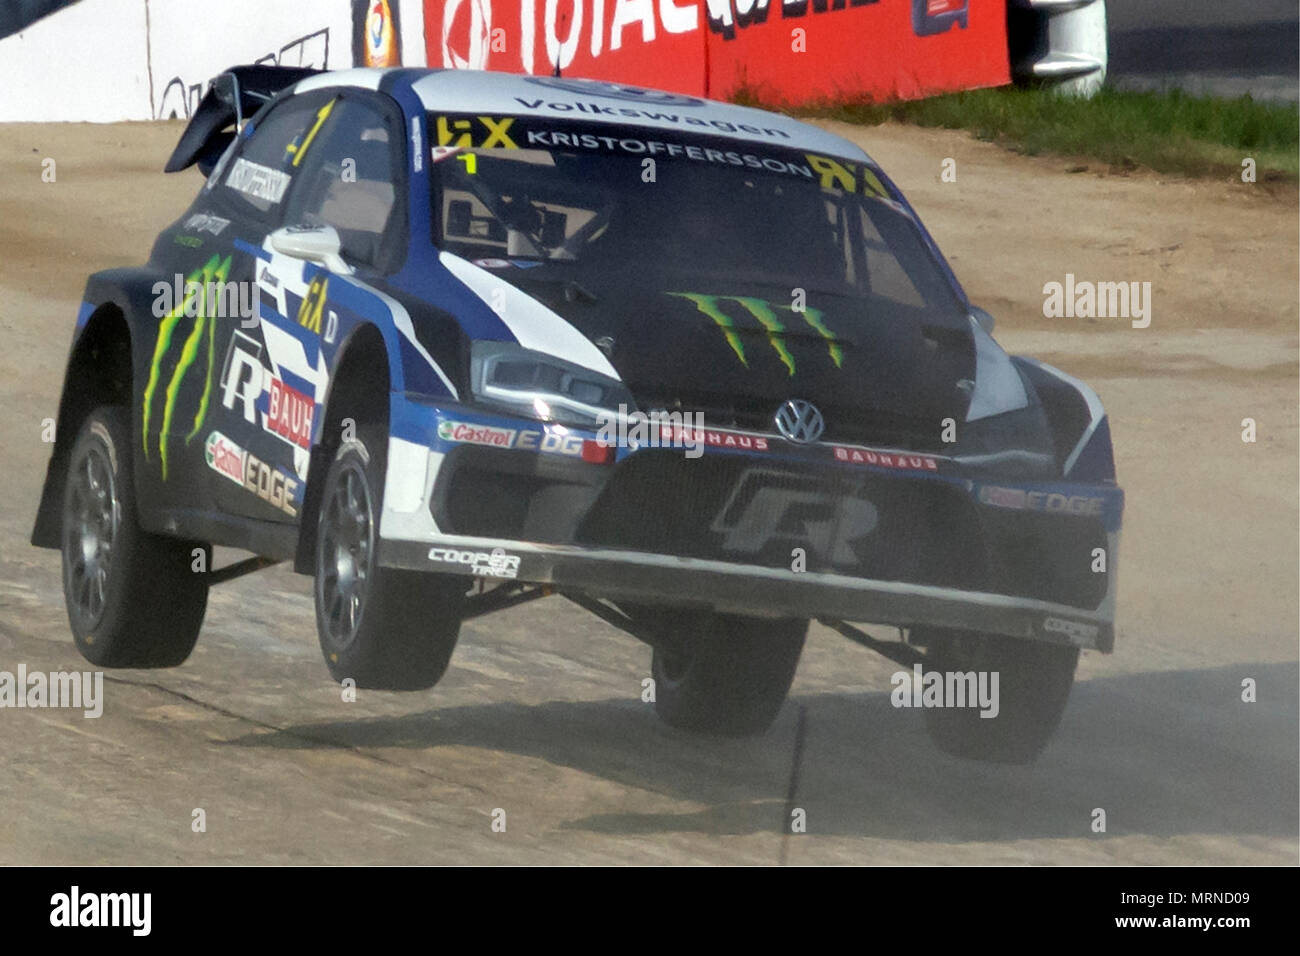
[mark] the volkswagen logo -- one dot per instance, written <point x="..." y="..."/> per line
<point x="615" y="91"/>
<point x="799" y="421"/>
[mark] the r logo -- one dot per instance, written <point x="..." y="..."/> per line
<point x="243" y="377"/>
<point x="827" y="523"/>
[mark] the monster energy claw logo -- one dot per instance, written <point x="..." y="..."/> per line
<point x="199" y="303"/>
<point x="765" y="313"/>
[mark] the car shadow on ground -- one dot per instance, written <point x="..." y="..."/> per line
<point x="1164" y="753"/>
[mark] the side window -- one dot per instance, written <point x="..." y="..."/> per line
<point x="348" y="178"/>
<point x="885" y="273"/>
<point x="261" y="173"/>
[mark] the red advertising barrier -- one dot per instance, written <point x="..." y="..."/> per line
<point x="785" y="50"/>
<point x="892" y="49"/>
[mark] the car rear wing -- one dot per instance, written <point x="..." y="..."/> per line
<point x="232" y="96"/>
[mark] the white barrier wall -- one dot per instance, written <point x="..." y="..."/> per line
<point x="316" y="34"/>
<point x="87" y="62"/>
<point x="112" y="60"/>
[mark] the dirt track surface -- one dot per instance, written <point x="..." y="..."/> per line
<point x="541" y="715"/>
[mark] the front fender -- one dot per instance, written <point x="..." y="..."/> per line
<point x="103" y="367"/>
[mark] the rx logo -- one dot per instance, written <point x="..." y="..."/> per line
<point x="799" y="421"/>
<point x="463" y="132"/>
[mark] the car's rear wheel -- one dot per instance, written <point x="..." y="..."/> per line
<point x="134" y="599"/>
<point x="722" y="673"/>
<point x="384" y="628"/>
<point x="1034" y="681"/>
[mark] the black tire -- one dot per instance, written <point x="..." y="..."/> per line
<point x="384" y="628"/>
<point x="133" y="598"/>
<point x="723" y="673"/>
<point x="1034" y="681"/>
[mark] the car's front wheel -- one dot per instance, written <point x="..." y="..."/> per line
<point x="384" y="628"/>
<point x="723" y="673"/>
<point x="1034" y="681"/>
<point x="134" y="599"/>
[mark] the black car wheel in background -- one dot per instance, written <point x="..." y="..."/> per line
<point x="1034" y="681"/>
<point x="134" y="599"/>
<point x="723" y="673"/>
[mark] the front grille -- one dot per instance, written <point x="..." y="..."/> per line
<point x="844" y="424"/>
<point x="747" y="511"/>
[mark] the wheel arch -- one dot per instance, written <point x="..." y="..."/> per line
<point x="99" y="371"/>
<point x="1080" y="426"/>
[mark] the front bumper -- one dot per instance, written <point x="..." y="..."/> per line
<point x="754" y="526"/>
<point x="751" y="589"/>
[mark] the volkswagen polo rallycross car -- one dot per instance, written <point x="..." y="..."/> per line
<point x="449" y="341"/>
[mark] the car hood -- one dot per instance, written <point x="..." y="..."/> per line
<point x="749" y="346"/>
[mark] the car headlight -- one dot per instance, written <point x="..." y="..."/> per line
<point x="542" y="386"/>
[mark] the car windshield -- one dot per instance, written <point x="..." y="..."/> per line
<point x="771" y="218"/>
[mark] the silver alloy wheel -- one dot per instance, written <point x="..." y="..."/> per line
<point x="346" y="553"/>
<point x="90" y="529"/>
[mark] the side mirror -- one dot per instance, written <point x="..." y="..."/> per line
<point x="982" y="319"/>
<point x="320" y="244"/>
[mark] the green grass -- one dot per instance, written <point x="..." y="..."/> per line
<point x="1170" y="132"/>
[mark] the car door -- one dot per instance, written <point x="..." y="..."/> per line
<point x="189" y="440"/>
<point x="246" y="469"/>
<point x="344" y="171"/>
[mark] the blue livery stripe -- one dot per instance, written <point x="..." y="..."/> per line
<point x="252" y="250"/>
<point x="307" y="337"/>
